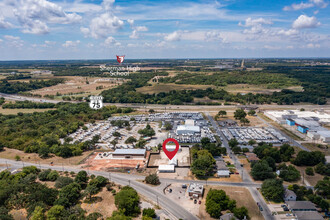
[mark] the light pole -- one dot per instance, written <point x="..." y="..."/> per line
<point x="109" y="176"/>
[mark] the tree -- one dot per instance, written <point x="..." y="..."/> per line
<point x="203" y="165"/>
<point x="289" y="173"/>
<point x="63" y="181"/>
<point x="244" y="121"/>
<point x="323" y="187"/>
<point x="323" y="169"/>
<point x="38" y="214"/>
<point x="69" y="195"/>
<point x="130" y="140"/>
<point x="251" y="112"/>
<point x="2" y="146"/>
<point x="127" y="199"/>
<point x="119" y="215"/>
<point x="261" y="171"/>
<point x="149" y="212"/>
<point x="4" y="214"/>
<point x="56" y="212"/>
<point x="239" y="114"/>
<point x="309" y="171"/>
<point x="233" y="143"/>
<point x="252" y="142"/>
<point x="53" y="175"/>
<point x="151" y="111"/>
<point x="43" y="175"/>
<point x="44" y="152"/>
<point x="141" y="143"/>
<point x="168" y="126"/>
<point x="114" y="142"/>
<point x="222" y="113"/>
<point x="81" y="178"/>
<point x="305" y="158"/>
<point x="147" y="131"/>
<point x="241" y="212"/>
<point x="237" y="150"/>
<point x="286" y="152"/>
<point x="116" y="134"/>
<point x="217" y="201"/>
<point x="272" y="189"/>
<point x="205" y="141"/>
<point x="152" y="179"/>
<point x="91" y="190"/>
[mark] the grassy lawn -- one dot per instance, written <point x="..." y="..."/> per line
<point x="166" y="87"/>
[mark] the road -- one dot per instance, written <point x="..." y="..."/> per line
<point x="173" y="209"/>
<point x="267" y="214"/>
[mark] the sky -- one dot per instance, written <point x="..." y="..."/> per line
<point x="147" y="29"/>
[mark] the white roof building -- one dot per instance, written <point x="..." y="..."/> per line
<point x="187" y="129"/>
<point x="173" y="161"/>
<point x="166" y="168"/>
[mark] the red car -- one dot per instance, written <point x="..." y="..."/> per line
<point x="200" y="202"/>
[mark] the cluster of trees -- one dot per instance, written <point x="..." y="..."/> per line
<point x="147" y="131"/>
<point x="221" y="113"/>
<point x="272" y="189"/>
<point x="269" y="155"/>
<point x="202" y="156"/>
<point x="39" y="132"/>
<point x="2" y="100"/>
<point x="28" y="104"/>
<point x="22" y="191"/>
<point x="319" y="197"/>
<point x="217" y="201"/>
<point x="15" y="87"/>
<point x="18" y="76"/>
<point x="305" y="158"/>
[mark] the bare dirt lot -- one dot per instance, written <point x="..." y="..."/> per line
<point x="182" y="157"/>
<point x="106" y="164"/>
<point x="78" y="84"/>
<point x="242" y="197"/>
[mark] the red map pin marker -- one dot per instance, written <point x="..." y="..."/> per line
<point x="171" y="154"/>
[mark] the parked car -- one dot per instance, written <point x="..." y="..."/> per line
<point x="195" y="201"/>
<point x="261" y="209"/>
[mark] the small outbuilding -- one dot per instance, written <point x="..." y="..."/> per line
<point x="289" y="195"/>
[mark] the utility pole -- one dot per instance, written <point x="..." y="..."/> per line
<point x="62" y="167"/>
<point x="129" y="182"/>
<point x="109" y="176"/>
<point x="23" y="163"/>
<point x="157" y="200"/>
<point x="6" y="164"/>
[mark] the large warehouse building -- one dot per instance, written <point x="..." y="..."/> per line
<point x="129" y="154"/>
<point x="189" y="128"/>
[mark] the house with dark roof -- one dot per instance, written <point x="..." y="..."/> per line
<point x="308" y="215"/>
<point x="228" y="216"/>
<point x="289" y="195"/>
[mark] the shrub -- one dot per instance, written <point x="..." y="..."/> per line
<point x="152" y="179"/>
<point x="63" y="181"/>
<point x="43" y="175"/>
<point x="53" y="175"/>
<point x="309" y="171"/>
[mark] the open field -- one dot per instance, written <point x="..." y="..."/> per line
<point x="23" y="110"/>
<point x="247" y="88"/>
<point x="80" y="85"/>
<point x="166" y="87"/>
<point x="34" y="158"/>
<point x="242" y="197"/>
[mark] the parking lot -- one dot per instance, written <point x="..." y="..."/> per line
<point x="244" y="134"/>
<point x="182" y="157"/>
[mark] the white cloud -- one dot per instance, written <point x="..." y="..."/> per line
<point x="70" y="43"/>
<point x="300" y="6"/>
<point x="1" y="40"/>
<point x="249" y="22"/>
<point x="109" y="40"/>
<point x="13" y="41"/>
<point x="305" y="5"/>
<point x="105" y="24"/>
<point x="141" y="28"/>
<point x="34" y="15"/>
<point x="130" y="21"/>
<point x="312" y="46"/>
<point x="304" y="21"/>
<point x="289" y="32"/>
<point x="175" y="36"/>
<point x="4" y="24"/>
<point x="134" y="35"/>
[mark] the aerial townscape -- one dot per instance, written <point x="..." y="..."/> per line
<point x="167" y="110"/>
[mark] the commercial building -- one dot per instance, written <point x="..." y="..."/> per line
<point x="129" y="153"/>
<point x="313" y="215"/>
<point x="187" y="130"/>
<point x="290" y="122"/>
<point x="166" y="168"/>
<point x="195" y="190"/>
<point x="302" y="129"/>
<point x="223" y="173"/>
<point x="297" y="206"/>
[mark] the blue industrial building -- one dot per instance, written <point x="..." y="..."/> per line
<point x="302" y="129"/>
<point x="290" y="122"/>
